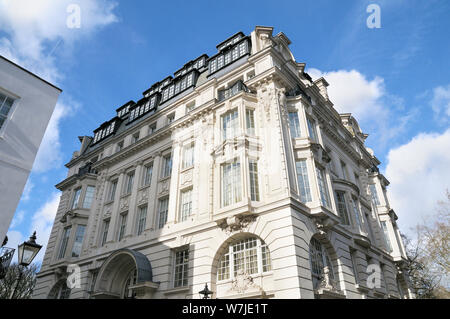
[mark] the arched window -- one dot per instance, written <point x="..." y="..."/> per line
<point x="60" y="291"/>
<point x="131" y="280"/>
<point x="319" y="260"/>
<point x="247" y="256"/>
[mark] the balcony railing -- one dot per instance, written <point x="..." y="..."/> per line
<point x="6" y="255"/>
<point x="233" y="90"/>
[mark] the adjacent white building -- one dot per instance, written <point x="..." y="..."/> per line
<point x="26" y="105"/>
<point x="236" y="172"/>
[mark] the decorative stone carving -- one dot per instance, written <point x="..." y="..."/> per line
<point x="266" y="41"/>
<point x="326" y="282"/>
<point x="320" y="227"/>
<point x="186" y="177"/>
<point x="237" y="223"/>
<point x="164" y="186"/>
<point x="323" y="225"/>
<point x="243" y="282"/>
<point x="124" y="204"/>
<point x="142" y="196"/>
<point x="107" y="212"/>
<point x="264" y="99"/>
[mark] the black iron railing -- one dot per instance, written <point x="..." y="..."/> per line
<point x="6" y="255"/>
<point x="233" y="90"/>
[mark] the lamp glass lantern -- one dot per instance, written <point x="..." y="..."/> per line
<point x="28" y="250"/>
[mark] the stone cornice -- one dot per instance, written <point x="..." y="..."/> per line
<point x="72" y="180"/>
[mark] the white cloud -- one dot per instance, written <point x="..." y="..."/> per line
<point x="27" y="190"/>
<point x="34" y="31"/>
<point x="440" y="103"/>
<point x="352" y="92"/>
<point x="419" y="173"/>
<point x="41" y="222"/>
<point x="49" y="153"/>
<point x="36" y="28"/>
<point x="18" y="218"/>
<point x="380" y="114"/>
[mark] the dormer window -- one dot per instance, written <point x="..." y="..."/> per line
<point x="230" y="52"/>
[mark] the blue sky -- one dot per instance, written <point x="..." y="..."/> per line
<point x="395" y="79"/>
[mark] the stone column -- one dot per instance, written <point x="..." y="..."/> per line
<point x="174" y="181"/>
<point x="153" y="202"/>
<point x="132" y="208"/>
<point x="115" y="209"/>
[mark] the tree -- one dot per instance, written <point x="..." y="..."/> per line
<point x="428" y="255"/>
<point x="24" y="287"/>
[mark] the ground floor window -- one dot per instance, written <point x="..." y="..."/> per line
<point x="60" y="291"/>
<point x="247" y="256"/>
<point x="319" y="260"/>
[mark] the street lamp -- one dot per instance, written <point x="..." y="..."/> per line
<point x="205" y="292"/>
<point x="28" y="250"/>
<point x="25" y="255"/>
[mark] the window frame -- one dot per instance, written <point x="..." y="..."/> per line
<point x="88" y="195"/>
<point x="322" y="183"/>
<point x="253" y="180"/>
<point x="129" y="182"/>
<point x="163" y="212"/>
<point x="65" y="238"/>
<point x="147" y="178"/>
<point x="345" y="218"/>
<point x="226" y="268"/>
<point x="113" y="189"/>
<point x="167" y="165"/>
<point x="234" y="184"/>
<point x="318" y="250"/>
<point x="250" y="121"/>
<point x="232" y="130"/>
<point x="10" y="112"/>
<point x="304" y="188"/>
<point x="104" y="234"/>
<point x="185" y="206"/>
<point x="76" y="198"/>
<point x="123" y="218"/>
<point x="181" y="268"/>
<point x="188" y="156"/>
<point x="141" y="219"/>
<point x="78" y="244"/>
<point x="294" y="124"/>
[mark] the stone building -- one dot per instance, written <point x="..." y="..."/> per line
<point x="236" y="172"/>
<point x="26" y="105"/>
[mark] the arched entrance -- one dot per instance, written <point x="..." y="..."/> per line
<point x="126" y="273"/>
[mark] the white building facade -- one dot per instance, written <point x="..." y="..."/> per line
<point x="236" y="172"/>
<point x="26" y="105"/>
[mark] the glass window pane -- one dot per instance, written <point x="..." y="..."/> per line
<point x="323" y="189"/>
<point x="163" y="209"/>
<point x="294" y="124"/>
<point x="303" y="181"/>
<point x="76" y="250"/>
<point x="88" y="197"/>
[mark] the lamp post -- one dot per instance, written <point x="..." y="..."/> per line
<point x="205" y="292"/>
<point x="25" y="255"/>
